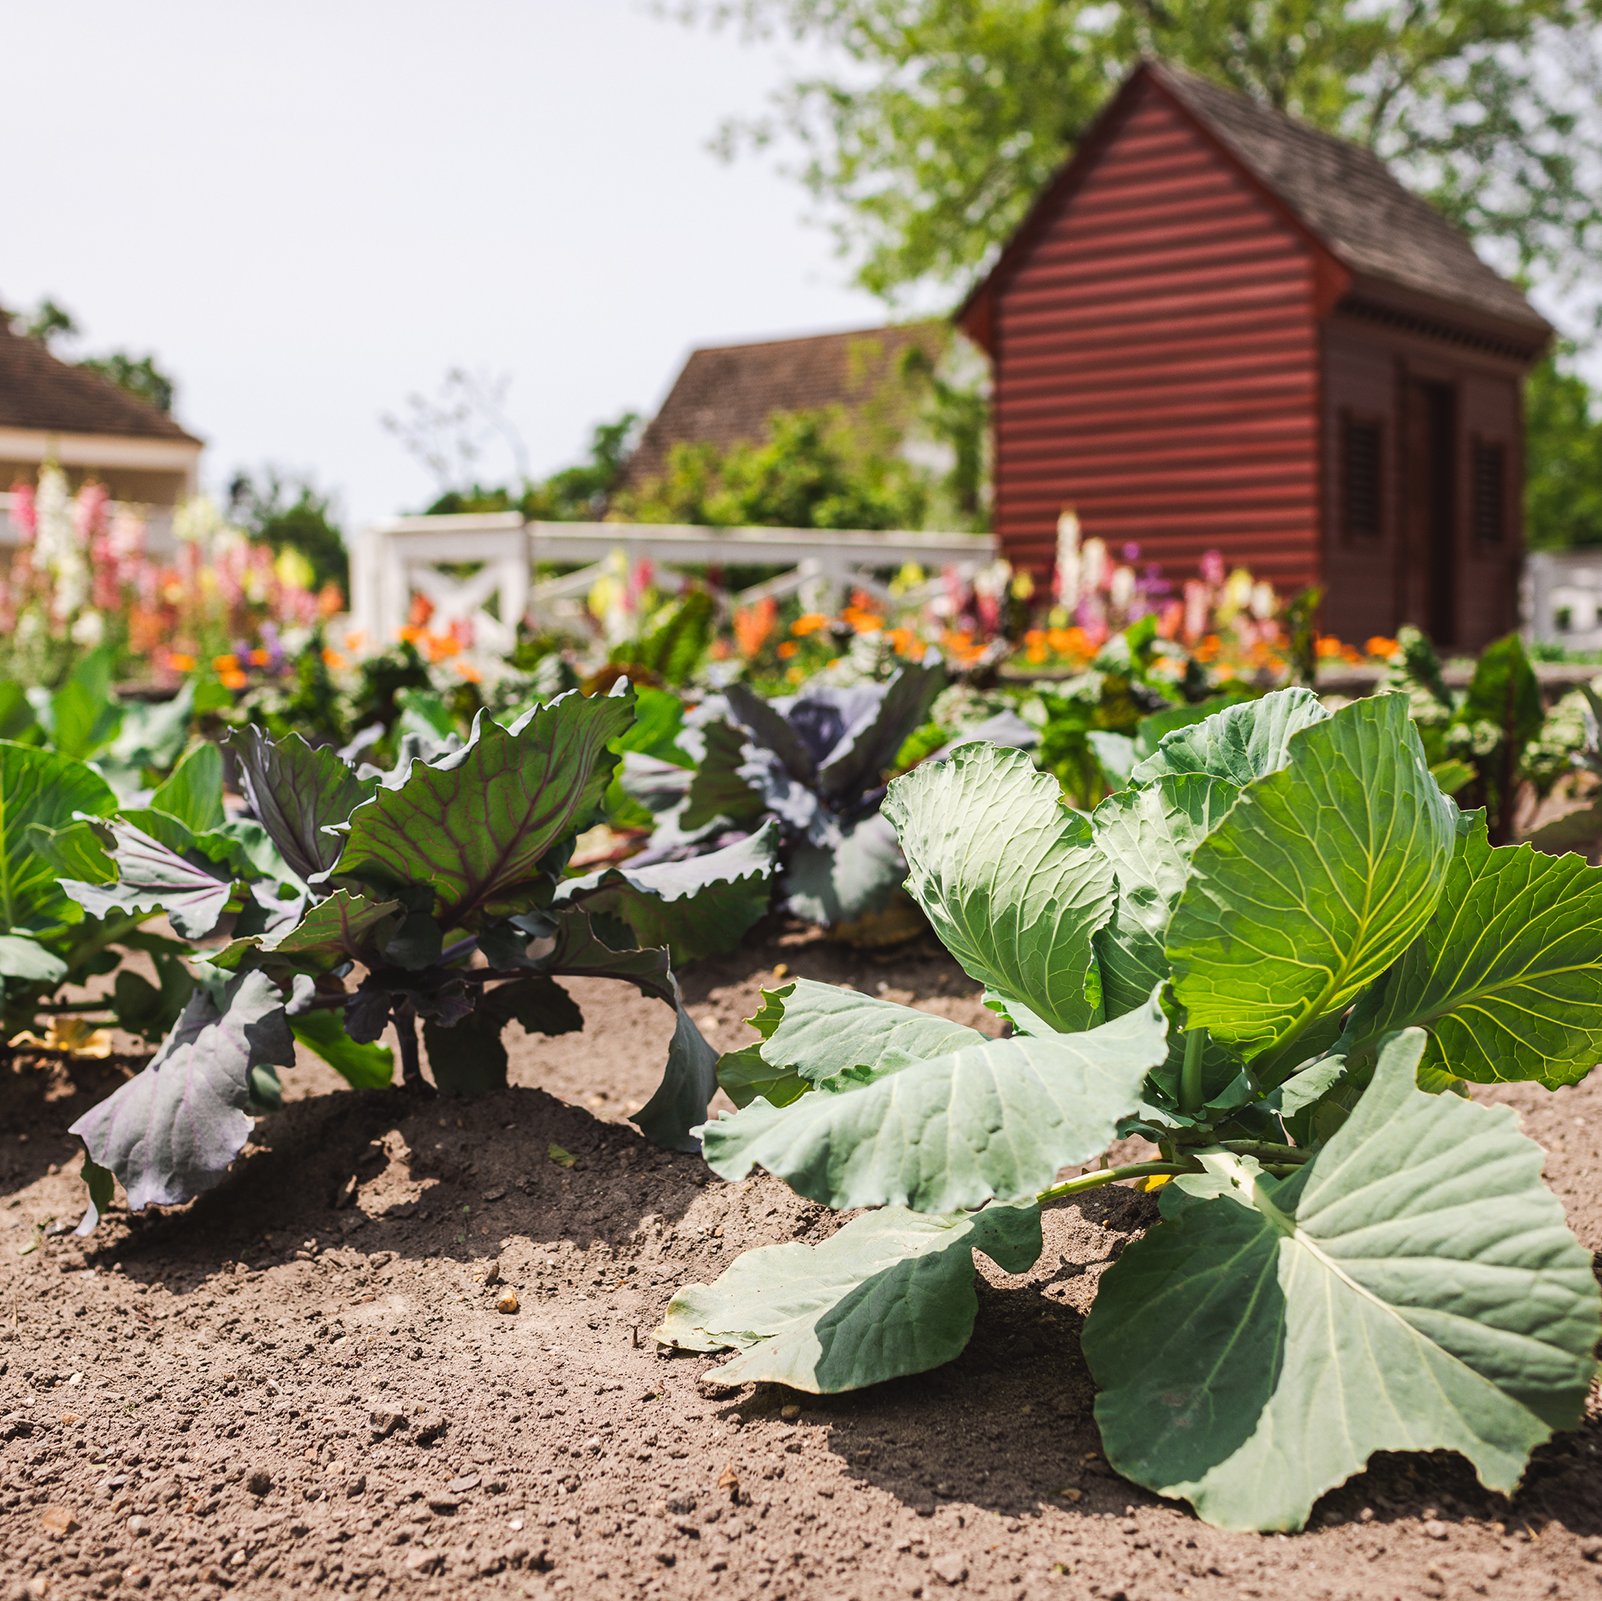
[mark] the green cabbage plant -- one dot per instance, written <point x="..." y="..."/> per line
<point x="1280" y="958"/>
<point x="433" y="900"/>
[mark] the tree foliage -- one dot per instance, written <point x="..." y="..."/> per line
<point x="813" y="470"/>
<point x="139" y="376"/>
<point x="288" y="511"/>
<point x="946" y="117"/>
<point x="1563" y="487"/>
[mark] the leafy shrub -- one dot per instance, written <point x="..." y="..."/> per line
<point x="430" y="897"/>
<point x="811" y="766"/>
<point x="1274" y="957"/>
<point x="1494" y="744"/>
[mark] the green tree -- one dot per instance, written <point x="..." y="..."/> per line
<point x="137" y="375"/>
<point x="573" y="494"/>
<point x="946" y="117"/>
<point x="288" y="512"/>
<point x="811" y="471"/>
<point x="1563" y="482"/>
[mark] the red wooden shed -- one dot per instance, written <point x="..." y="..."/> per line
<point x="1220" y="328"/>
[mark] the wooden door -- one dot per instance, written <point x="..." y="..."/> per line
<point x="1428" y="554"/>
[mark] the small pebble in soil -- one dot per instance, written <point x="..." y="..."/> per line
<point x="507" y="1302"/>
<point x="138" y="1525"/>
<point x="259" y="1483"/>
<point x="949" y="1568"/>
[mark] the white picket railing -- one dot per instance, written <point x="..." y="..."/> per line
<point x="481" y="569"/>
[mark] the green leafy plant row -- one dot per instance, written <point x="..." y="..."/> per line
<point x="1280" y="958"/>
<point x="432" y="899"/>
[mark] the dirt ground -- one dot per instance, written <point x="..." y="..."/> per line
<point x="301" y="1384"/>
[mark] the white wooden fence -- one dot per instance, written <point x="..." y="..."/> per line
<point x="492" y="570"/>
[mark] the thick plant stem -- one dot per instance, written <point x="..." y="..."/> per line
<point x="1266" y="1151"/>
<point x="1111" y="1175"/>
<point x="1190" y="1074"/>
<point x="406" y="1031"/>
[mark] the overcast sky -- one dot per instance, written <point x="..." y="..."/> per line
<point x="308" y="209"/>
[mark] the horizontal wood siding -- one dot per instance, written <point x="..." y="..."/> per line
<point x="1157" y="364"/>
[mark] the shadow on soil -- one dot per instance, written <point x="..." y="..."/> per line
<point x="416" y="1176"/>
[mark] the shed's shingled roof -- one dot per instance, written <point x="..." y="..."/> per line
<point x="1342" y="194"/>
<point x="1352" y="201"/>
<point x="725" y="394"/>
<point x="42" y="392"/>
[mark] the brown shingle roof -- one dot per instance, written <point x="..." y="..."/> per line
<point x="1342" y="194"/>
<point x="724" y="395"/>
<point x="1352" y="201"/>
<point x="39" y="391"/>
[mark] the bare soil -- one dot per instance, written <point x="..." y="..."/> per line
<point x="301" y="1384"/>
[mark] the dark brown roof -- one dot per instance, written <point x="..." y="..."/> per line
<point x="724" y="395"/>
<point x="40" y="391"/>
<point x="1350" y="199"/>
<point x="1341" y="194"/>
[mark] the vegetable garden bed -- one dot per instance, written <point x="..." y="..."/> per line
<point x="302" y="1383"/>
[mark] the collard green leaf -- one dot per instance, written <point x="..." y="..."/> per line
<point x="45" y="788"/>
<point x="193" y="791"/>
<point x="153" y="876"/>
<point x="768" y="726"/>
<point x="362" y="1066"/>
<point x="173" y="1129"/>
<point x="1149" y="835"/>
<point x="690" y="1076"/>
<point x="1318" y="879"/>
<point x="1240" y="743"/>
<point x="73" y="851"/>
<point x="299" y="792"/>
<point x="477" y="824"/>
<point x="824" y="1030"/>
<point x="987" y="1121"/>
<point x="342" y="928"/>
<point x="867" y="749"/>
<point x="846" y="871"/>
<point x="82" y="717"/>
<point x="24" y="960"/>
<point x="1413" y="1288"/>
<point x="1507" y="975"/>
<point x="701" y="906"/>
<point x="892" y="1293"/>
<point x="1009" y="877"/>
<point x="718" y="789"/>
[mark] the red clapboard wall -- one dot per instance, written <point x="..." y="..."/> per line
<point x="1219" y="328"/>
<point x="1156" y="362"/>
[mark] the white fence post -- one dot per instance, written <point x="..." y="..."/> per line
<point x="392" y="561"/>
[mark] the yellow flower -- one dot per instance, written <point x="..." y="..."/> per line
<point x="73" y="1036"/>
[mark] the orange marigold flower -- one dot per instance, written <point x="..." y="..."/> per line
<point x="1329" y="645"/>
<point x="225" y="664"/>
<point x="903" y="641"/>
<point x="787" y="650"/>
<point x="468" y="671"/>
<point x="260" y="658"/>
<point x="355" y="639"/>
<point x="1379" y="645"/>
<point x="811" y="622"/>
<point x="180" y="661"/>
<point x="333" y="660"/>
<point x="233" y="679"/>
<point x="410" y="634"/>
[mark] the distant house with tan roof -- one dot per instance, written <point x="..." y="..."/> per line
<point x="727" y="395"/>
<point x="51" y="410"/>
